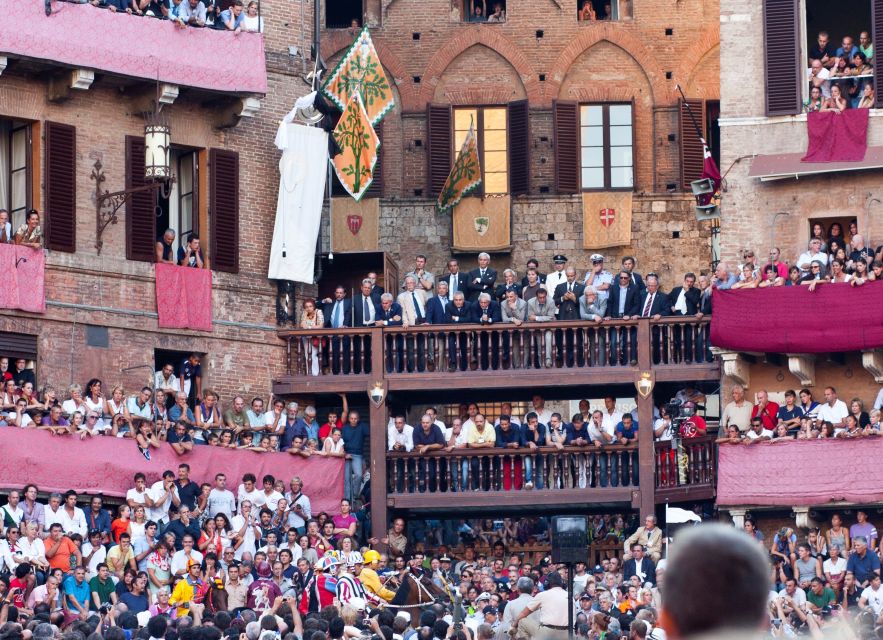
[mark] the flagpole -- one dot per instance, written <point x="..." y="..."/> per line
<point x="692" y="117"/>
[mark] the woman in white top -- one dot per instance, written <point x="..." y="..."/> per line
<point x="75" y="403"/>
<point x="251" y="21"/>
<point x="114" y="409"/>
<point x="334" y="445"/>
<point x="94" y="400"/>
<point x="835" y="568"/>
<point x="31" y="548"/>
<point x="138" y="523"/>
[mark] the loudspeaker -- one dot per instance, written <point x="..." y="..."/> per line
<point x="569" y="539"/>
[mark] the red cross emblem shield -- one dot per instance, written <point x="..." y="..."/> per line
<point x="354" y="222"/>
<point x="608" y="216"/>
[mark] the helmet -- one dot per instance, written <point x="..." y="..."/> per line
<point x="355" y="558"/>
<point x="371" y="556"/>
<point x="264" y="570"/>
<point x="328" y="561"/>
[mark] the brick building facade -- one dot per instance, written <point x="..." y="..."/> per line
<point x="542" y="54"/>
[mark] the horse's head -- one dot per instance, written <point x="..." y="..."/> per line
<point x="430" y="588"/>
<point x="215" y="597"/>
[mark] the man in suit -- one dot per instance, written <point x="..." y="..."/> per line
<point x="542" y="309"/>
<point x="481" y="280"/>
<point x="413" y="303"/>
<point x="487" y="313"/>
<point x="364" y="306"/>
<point x="534" y="264"/>
<point x="459" y="311"/>
<point x="655" y="304"/>
<point x="567" y="296"/>
<point x="623" y="303"/>
<point x="376" y="289"/>
<point x="514" y="310"/>
<point x="639" y="565"/>
<point x="338" y="313"/>
<point x="703" y="353"/>
<point x="685" y="301"/>
<point x="593" y="308"/>
<point x="628" y="265"/>
<point x="390" y="315"/>
<point x="436" y="306"/>
<point x="649" y="537"/>
<point x="456" y="279"/>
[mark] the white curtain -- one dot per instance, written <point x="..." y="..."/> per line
<point x="302" y="169"/>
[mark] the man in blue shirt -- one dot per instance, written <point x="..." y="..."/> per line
<point x="77" y="593"/>
<point x="232" y="18"/>
<point x="863" y="563"/>
<point x="509" y="437"/>
<point x="428" y="437"/>
<point x="353" y="433"/>
<point x="626" y="432"/>
<point x="294" y="428"/>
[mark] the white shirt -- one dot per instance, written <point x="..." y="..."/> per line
<point x="874" y="599"/>
<point x="160" y="512"/>
<point x="32" y="550"/>
<point x="75" y="523"/>
<point x="595" y="433"/>
<point x="543" y="416"/>
<point x="248" y="538"/>
<point x="270" y="420"/>
<point x="138" y="497"/>
<point x="834" y="569"/>
<point x="835" y="414"/>
<point x="99" y="557"/>
<point x="294" y="519"/>
<point x="221" y="501"/>
<point x="253" y="496"/>
<point x="269" y="501"/>
<point x="751" y="434"/>
<point x="553" y="279"/>
<point x="807" y="258"/>
<point x="296" y="551"/>
<point x="50" y="517"/>
<point x="404" y="437"/>
<point x="666" y="435"/>
<point x="160" y="382"/>
<point x="823" y="74"/>
<point x="16" y="514"/>
<point x="610" y="420"/>
<point x="179" y="560"/>
<point x="368" y="303"/>
<point x="799" y="597"/>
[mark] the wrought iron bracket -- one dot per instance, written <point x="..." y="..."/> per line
<point x="108" y="203"/>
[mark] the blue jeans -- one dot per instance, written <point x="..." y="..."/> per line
<point x="614" y="468"/>
<point x="352" y="476"/>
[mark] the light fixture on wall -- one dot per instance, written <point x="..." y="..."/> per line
<point x="157" y="175"/>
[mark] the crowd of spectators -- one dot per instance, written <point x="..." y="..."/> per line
<point x="225" y="15"/>
<point x="800" y="416"/>
<point x="841" y="78"/>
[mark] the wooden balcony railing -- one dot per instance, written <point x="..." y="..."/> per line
<point x="575" y="346"/>
<point x="696" y="470"/>
<point x="496" y="470"/>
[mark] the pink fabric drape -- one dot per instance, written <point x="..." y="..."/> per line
<point x="183" y="297"/>
<point x="106" y="465"/>
<point x="796" y="320"/>
<point x="837" y="137"/>
<point x="23" y="272"/>
<point x="800" y="472"/>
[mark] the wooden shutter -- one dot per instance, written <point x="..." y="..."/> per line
<point x="140" y="208"/>
<point x="782" y="57"/>
<point x="61" y="187"/>
<point x="438" y="130"/>
<point x="877" y="22"/>
<point x="692" y="154"/>
<point x="224" y="209"/>
<point x="567" y="167"/>
<point x="519" y="148"/>
<point x="376" y="188"/>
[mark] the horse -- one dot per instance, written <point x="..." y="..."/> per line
<point x="417" y="592"/>
<point x="214" y="597"/>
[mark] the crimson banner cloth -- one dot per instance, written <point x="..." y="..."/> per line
<point x="796" y="320"/>
<point x="23" y="272"/>
<point x="836" y="137"/>
<point x="103" y="464"/>
<point x="800" y="472"/>
<point x="183" y="297"/>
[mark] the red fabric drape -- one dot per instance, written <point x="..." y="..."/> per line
<point x="837" y="137"/>
<point x="184" y="297"/>
<point x="23" y="272"/>
<point x="834" y="317"/>
<point x="103" y="464"/>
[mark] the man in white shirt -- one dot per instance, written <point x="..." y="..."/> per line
<point x="140" y="495"/>
<point x="11" y="511"/>
<point x="804" y="262"/>
<point x="401" y="436"/>
<point x="269" y="497"/>
<point x="299" y="503"/>
<point x="793" y="597"/>
<point x="164" y="494"/>
<point x="182" y="559"/>
<point x="245" y="526"/>
<point x="737" y="412"/>
<point x="166" y="379"/>
<point x="73" y="520"/>
<point x="220" y="498"/>
<point x="538" y="406"/>
<point x="274" y="419"/>
<point x="52" y="513"/>
<point x="872" y="596"/>
<point x="599" y="432"/>
<point x="833" y="410"/>
<point x="757" y="432"/>
<point x="94" y="553"/>
<point x="818" y="76"/>
<point x="248" y="491"/>
<point x="610" y="417"/>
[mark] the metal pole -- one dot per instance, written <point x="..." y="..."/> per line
<point x="690" y="111"/>
<point x="570" y="600"/>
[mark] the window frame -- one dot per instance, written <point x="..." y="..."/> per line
<point x="479" y="141"/>
<point x="605" y="120"/>
<point x="14" y="127"/>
